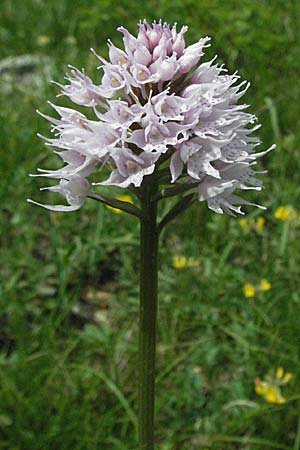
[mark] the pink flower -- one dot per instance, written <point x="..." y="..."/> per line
<point x="158" y="105"/>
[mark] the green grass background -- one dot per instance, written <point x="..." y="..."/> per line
<point x="69" y="382"/>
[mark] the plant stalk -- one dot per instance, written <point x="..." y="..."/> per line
<point x="148" y="314"/>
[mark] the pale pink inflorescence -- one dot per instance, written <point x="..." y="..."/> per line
<point x="157" y="105"/>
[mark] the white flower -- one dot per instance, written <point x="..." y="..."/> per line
<point x="158" y="105"/>
<point x="74" y="190"/>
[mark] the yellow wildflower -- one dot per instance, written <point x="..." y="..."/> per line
<point x="265" y="285"/>
<point x="259" y="386"/>
<point x="269" y="391"/>
<point x="259" y="224"/>
<point x="287" y="377"/>
<point x="244" y="224"/>
<point x="249" y="290"/>
<point x="271" y="394"/>
<point x="179" y="262"/>
<point x="279" y="373"/>
<point x="283" y="377"/>
<point x="270" y="388"/>
<point x="259" y="389"/>
<point x="123" y="198"/>
<point x="283" y="213"/>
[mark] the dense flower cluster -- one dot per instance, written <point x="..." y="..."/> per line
<point x="158" y="104"/>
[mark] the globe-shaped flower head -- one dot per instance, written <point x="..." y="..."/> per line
<point x="158" y="109"/>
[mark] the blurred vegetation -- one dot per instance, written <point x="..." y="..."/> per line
<point x="69" y="282"/>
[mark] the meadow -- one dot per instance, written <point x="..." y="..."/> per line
<point x="228" y="368"/>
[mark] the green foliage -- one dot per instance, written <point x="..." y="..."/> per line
<point x="69" y="282"/>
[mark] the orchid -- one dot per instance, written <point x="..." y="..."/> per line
<point x="164" y="123"/>
<point x="158" y="106"/>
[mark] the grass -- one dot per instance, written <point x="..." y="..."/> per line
<point x="69" y="289"/>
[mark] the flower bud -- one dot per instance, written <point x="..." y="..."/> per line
<point x="161" y="50"/>
<point x="116" y="55"/>
<point x="167" y="69"/>
<point x="142" y="37"/>
<point x="142" y="56"/>
<point x="129" y="40"/>
<point x="154" y="35"/>
<point x="179" y="43"/>
<point x="191" y="55"/>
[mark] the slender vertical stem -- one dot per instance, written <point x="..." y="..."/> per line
<point x="148" y="313"/>
<point x="297" y="439"/>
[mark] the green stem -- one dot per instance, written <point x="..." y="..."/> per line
<point x="148" y="314"/>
